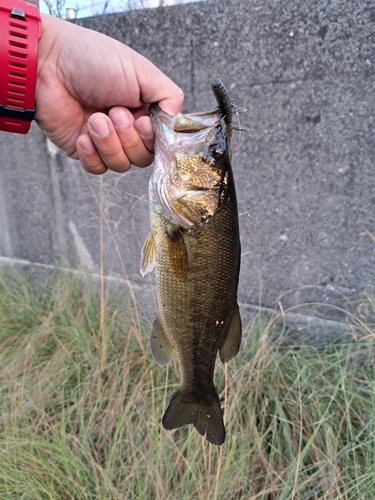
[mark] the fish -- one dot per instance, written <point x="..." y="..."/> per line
<point x="194" y="247"/>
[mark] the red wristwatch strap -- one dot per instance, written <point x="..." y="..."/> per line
<point x="20" y="30"/>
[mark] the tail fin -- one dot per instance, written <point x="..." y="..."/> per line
<point x="204" y="412"/>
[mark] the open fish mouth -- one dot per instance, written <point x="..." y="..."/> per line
<point x="168" y="126"/>
<point x="199" y="138"/>
<point x="196" y="125"/>
<point x="194" y="122"/>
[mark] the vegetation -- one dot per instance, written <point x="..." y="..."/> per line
<point x="81" y="403"/>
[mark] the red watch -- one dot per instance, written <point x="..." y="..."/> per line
<point x="20" y="30"/>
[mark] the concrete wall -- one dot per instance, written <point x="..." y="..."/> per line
<point x="305" y="172"/>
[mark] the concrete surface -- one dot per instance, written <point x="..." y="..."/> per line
<point x="304" y="173"/>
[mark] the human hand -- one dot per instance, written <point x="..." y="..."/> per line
<point x="93" y="94"/>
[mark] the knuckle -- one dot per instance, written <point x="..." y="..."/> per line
<point x="117" y="161"/>
<point x="93" y="164"/>
<point x="133" y="144"/>
<point x="111" y="155"/>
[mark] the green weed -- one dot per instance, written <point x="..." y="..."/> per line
<point x="81" y="403"/>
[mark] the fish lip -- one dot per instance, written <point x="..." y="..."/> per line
<point x="155" y="111"/>
<point x="160" y="119"/>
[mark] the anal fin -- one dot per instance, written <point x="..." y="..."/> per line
<point x="232" y="342"/>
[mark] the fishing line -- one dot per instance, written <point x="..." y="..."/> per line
<point x="339" y="457"/>
<point x="239" y="129"/>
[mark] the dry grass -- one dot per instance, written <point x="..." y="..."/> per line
<point x="81" y="403"/>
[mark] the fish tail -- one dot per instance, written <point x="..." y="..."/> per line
<point x="204" y="412"/>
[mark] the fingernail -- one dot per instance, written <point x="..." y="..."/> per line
<point x="88" y="146"/>
<point x="147" y="138"/>
<point x="120" y="118"/>
<point x="100" y="127"/>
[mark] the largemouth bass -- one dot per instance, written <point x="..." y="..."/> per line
<point x="194" y="246"/>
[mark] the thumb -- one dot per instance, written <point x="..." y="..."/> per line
<point x="155" y="86"/>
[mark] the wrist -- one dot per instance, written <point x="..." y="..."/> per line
<point x="47" y="41"/>
<point x="20" y="30"/>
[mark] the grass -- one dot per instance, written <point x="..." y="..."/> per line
<point x="81" y="404"/>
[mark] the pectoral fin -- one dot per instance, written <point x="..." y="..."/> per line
<point x="232" y="341"/>
<point x="161" y="348"/>
<point x="178" y="257"/>
<point x="148" y="255"/>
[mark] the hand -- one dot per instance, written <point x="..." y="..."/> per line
<point x="93" y="94"/>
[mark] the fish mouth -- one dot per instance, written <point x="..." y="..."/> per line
<point x="159" y="117"/>
<point x="179" y="139"/>
<point x="155" y="110"/>
<point x="184" y="123"/>
<point x="195" y="122"/>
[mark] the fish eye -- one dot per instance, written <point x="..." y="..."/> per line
<point x="216" y="151"/>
